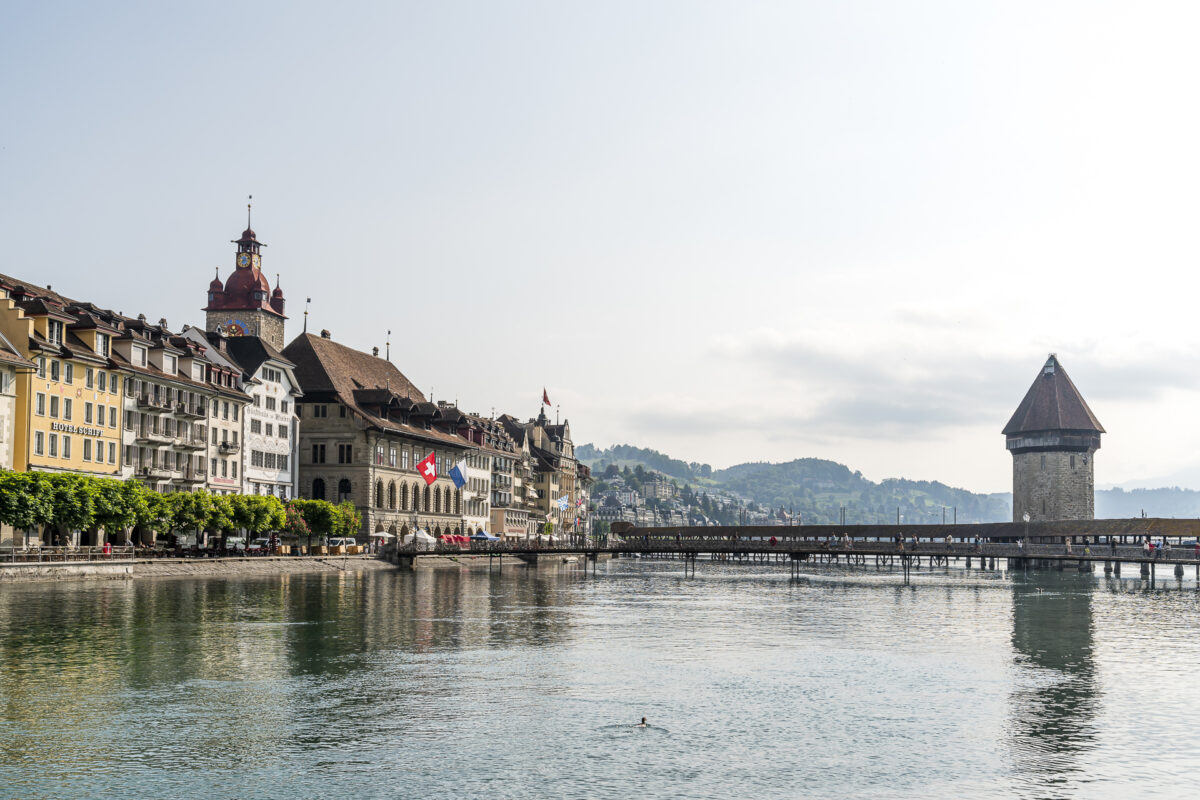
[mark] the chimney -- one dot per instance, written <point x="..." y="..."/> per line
<point x="325" y="334"/>
<point x="162" y="323"/>
<point x="375" y="352"/>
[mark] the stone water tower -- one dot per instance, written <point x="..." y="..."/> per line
<point x="1053" y="437"/>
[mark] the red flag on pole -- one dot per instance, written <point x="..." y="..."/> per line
<point x="545" y="397"/>
<point x="428" y="469"/>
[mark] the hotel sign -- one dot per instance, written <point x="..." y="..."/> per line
<point x="77" y="429"/>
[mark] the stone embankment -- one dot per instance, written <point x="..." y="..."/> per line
<point x="188" y="567"/>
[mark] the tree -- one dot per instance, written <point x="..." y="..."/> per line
<point x="117" y="504"/>
<point x="294" y="523"/>
<point x="257" y="514"/>
<point x="26" y="500"/>
<point x="74" y="505"/>
<point x="187" y="510"/>
<point x="347" y="521"/>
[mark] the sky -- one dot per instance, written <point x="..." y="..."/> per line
<point x="727" y="231"/>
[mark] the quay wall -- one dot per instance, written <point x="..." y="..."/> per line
<point x="186" y="567"/>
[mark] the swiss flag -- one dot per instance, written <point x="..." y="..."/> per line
<point x="545" y="397"/>
<point x="427" y="469"/>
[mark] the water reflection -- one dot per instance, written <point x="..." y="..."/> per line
<point x="1052" y="706"/>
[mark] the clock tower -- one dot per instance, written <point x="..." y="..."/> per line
<point x="245" y="304"/>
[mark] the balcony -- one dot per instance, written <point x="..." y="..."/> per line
<point x="193" y="476"/>
<point x="190" y="442"/>
<point x="154" y="403"/>
<point x="147" y="434"/>
<point x="229" y="447"/>
<point x="183" y="409"/>
<point x="155" y="471"/>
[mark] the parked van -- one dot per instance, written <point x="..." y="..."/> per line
<point x="338" y="541"/>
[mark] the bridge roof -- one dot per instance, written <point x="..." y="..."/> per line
<point x="1052" y="404"/>
<point x="1138" y="526"/>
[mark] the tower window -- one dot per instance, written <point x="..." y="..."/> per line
<point x="1043" y="463"/>
<point x="1072" y="462"/>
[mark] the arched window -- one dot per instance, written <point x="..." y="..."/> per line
<point x="318" y="490"/>
<point x="425" y="499"/>
<point x="343" y="490"/>
<point x="437" y="501"/>
<point x="379" y="494"/>
<point x="458" y="501"/>
<point x="404" y="497"/>
<point x="392" y="495"/>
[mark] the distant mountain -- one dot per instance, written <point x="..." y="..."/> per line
<point x="1173" y="502"/>
<point x="816" y="488"/>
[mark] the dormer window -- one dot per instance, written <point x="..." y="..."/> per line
<point x="102" y="342"/>
<point x="54" y="332"/>
<point x="170" y="364"/>
<point x="139" y="356"/>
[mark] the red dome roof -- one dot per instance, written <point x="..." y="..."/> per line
<point x="245" y="280"/>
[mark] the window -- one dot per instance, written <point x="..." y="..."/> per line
<point x="255" y="426"/>
<point x="256" y="400"/>
<point x="55" y="370"/>
<point x="318" y="487"/>
<point x="102" y="344"/>
<point x="87" y="413"/>
<point x="270" y="429"/>
<point x="341" y="411"/>
<point x="224" y="409"/>
<point x="112" y="416"/>
<point x="39" y="443"/>
<point x="41" y="367"/>
<point x="345" y="453"/>
<point x="233" y="469"/>
<point x="69" y="373"/>
<point x="404" y="459"/>
<point x="283" y="431"/>
<point x="224" y="468"/>
<point x="270" y="401"/>
<point x="66" y="408"/>
<point x="54" y="406"/>
<point x="392" y="457"/>
<point x="139" y="356"/>
<point x="66" y="447"/>
<point x="112" y="452"/>
<point x="379" y="462"/>
<point x="54" y="331"/>
<point x="170" y="364"/>
<point x="320" y="411"/>
<point x="343" y="490"/>
<point x="54" y="445"/>
<point x="216" y="408"/>
<point x="112" y="383"/>
<point x="281" y="462"/>
<point x="256" y="458"/>
<point x="41" y="404"/>
<point x="283" y="406"/>
<point x="318" y="454"/>
<point x="235" y="413"/>
<point x="87" y="450"/>
<point x="214" y="467"/>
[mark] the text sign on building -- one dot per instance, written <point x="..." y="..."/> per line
<point x="76" y="429"/>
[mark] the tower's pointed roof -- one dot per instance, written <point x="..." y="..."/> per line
<point x="1052" y="404"/>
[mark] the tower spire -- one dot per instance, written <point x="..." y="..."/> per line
<point x="248" y="225"/>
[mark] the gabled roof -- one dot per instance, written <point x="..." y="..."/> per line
<point x="1052" y="404"/>
<point x="323" y="365"/>
<point x="251" y="352"/>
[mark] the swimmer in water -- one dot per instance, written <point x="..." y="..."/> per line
<point x="641" y="724"/>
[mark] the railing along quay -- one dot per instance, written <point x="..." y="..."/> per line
<point x="49" y="555"/>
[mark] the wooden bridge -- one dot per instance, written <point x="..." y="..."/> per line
<point x="1075" y="544"/>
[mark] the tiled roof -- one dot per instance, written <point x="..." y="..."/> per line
<point x="251" y="351"/>
<point x="323" y="365"/>
<point x="1052" y="404"/>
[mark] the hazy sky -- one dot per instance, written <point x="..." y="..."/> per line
<point x="728" y="231"/>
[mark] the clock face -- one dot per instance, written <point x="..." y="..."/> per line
<point x="235" y="327"/>
<point x="255" y="260"/>
<point x="244" y="260"/>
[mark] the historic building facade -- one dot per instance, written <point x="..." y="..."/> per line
<point x="364" y="429"/>
<point x="1053" y="437"/>
<point x="271" y="440"/>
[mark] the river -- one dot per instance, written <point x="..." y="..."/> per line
<point x="526" y="683"/>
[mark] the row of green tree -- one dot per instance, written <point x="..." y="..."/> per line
<point x="63" y="502"/>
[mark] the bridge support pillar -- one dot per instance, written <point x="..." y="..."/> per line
<point x="968" y="562"/>
<point x="1117" y="568"/>
<point x="1179" y="571"/>
<point x="991" y="563"/>
<point x="1145" y="569"/>
<point x="1107" y="567"/>
<point x="1085" y="566"/>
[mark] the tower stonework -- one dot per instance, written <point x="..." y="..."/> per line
<point x="245" y="304"/>
<point x="1053" y="437"/>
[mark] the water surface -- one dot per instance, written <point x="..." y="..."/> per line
<point x="527" y="684"/>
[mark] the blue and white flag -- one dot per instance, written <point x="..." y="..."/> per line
<point x="458" y="474"/>
<point x="562" y="502"/>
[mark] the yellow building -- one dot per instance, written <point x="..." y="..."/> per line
<point x="68" y="408"/>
